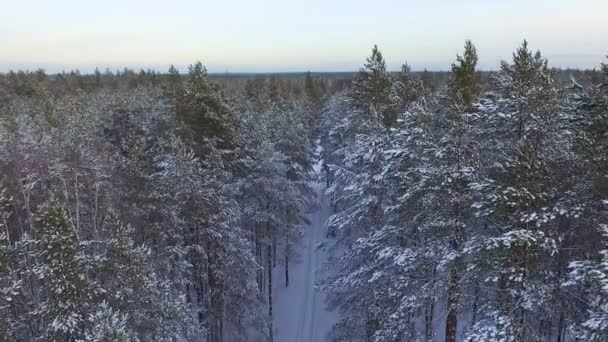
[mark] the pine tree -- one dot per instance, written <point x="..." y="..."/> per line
<point x="175" y="83"/>
<point x="464" y="83"/>
<point x="358" y="190"/>
<point x="68" y="291"/>
<point x="371" y="89"/>
<point x="404" y="91"/>
<point x="97" y="77"/>
<point x="456" y="168"/>
<point x="186" y="187"/>
<point x="528" y="84"/>
<point x="133" y="287"/>
<point x="428" y="81"/>
<point x="519" y="197"/>
<point x="312" y="90"/>
<point x="108" y="325"/>
<point x="204" y="114"/>
<point x="591" y="122"/>
<point x="10" y="284"/>
<point x="587" y="276"/>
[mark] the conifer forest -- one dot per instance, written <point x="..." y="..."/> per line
<point x="376" y="206"/>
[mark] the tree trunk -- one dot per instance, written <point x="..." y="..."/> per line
<point x="430" y="308"/>
<point x="503" y="298"/>
<point x="221" y="331"/>
<point x="274" y="251"/>
<point x="561" y="328"/>
<point x="475" y="302"/>
<point x="258" y="256"/>
<point x="429" y="319"/>
<point x="451" y="323"/>
<point x="270" y="294"/>
<point x="286" y="269"/>
<point x="287" y="261"/>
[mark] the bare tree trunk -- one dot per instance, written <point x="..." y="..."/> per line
<point x="368" y="331"/>
<point x="274" y="251"/>
<point x="451" y="324"/>
<point x="475" y="302"/>
<point x="503" y="298"/>
<point x="96" y="212"/>
<point x="258" y="255"/>
<point x="270" y="294"/>
<point x="429" y="319"/>
<point x="430" y="308"/>
<point x="269" y="266"/>
<point x="221" y="332"/>
<point x="561" y="328"/>
<point x="77" y="196"/>
<point x="286" y="267"/>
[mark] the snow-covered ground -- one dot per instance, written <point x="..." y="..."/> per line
<point x="301" y="313"/>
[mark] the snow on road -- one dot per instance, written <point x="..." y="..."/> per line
<point x="301" y="313"/>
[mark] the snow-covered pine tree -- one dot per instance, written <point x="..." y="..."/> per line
<point x="209" y="127"/>
<point x="108" y="325"/>
<point x="405" y="89"/>
<point x="68" y="291"/>
<point x="204" y="114"/>
<point x="528" y="91"/>
<point x="357" y="190"/>
<point x="400" y="269"/>
<point x="518" y="199"/>
<point x="313" y="90"/>
<point x="455" y="154"/>
<point x="134" y="296"/>
<point x="274" y="187"/>
<point x="588" y="270"/>
<point x="186" y="191"/>
<point x="10" y="284"/>
<point x="175" y="87"/>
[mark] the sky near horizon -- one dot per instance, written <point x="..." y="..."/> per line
<point x="294" y="35"/>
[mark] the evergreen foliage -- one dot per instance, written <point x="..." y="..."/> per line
<point x="138" y="206"/>
<point x="465" y="81"/>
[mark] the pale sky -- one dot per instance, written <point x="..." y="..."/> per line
<point x="293" y="35"/>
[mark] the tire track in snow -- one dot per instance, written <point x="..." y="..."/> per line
<point x="307" y="323"/>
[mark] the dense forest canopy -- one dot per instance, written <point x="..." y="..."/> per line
<point x="466" y="205"/>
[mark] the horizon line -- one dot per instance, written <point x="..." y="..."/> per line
<point x="254" y="73"/>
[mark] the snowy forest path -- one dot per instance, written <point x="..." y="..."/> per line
<point x="301" y="312"/>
